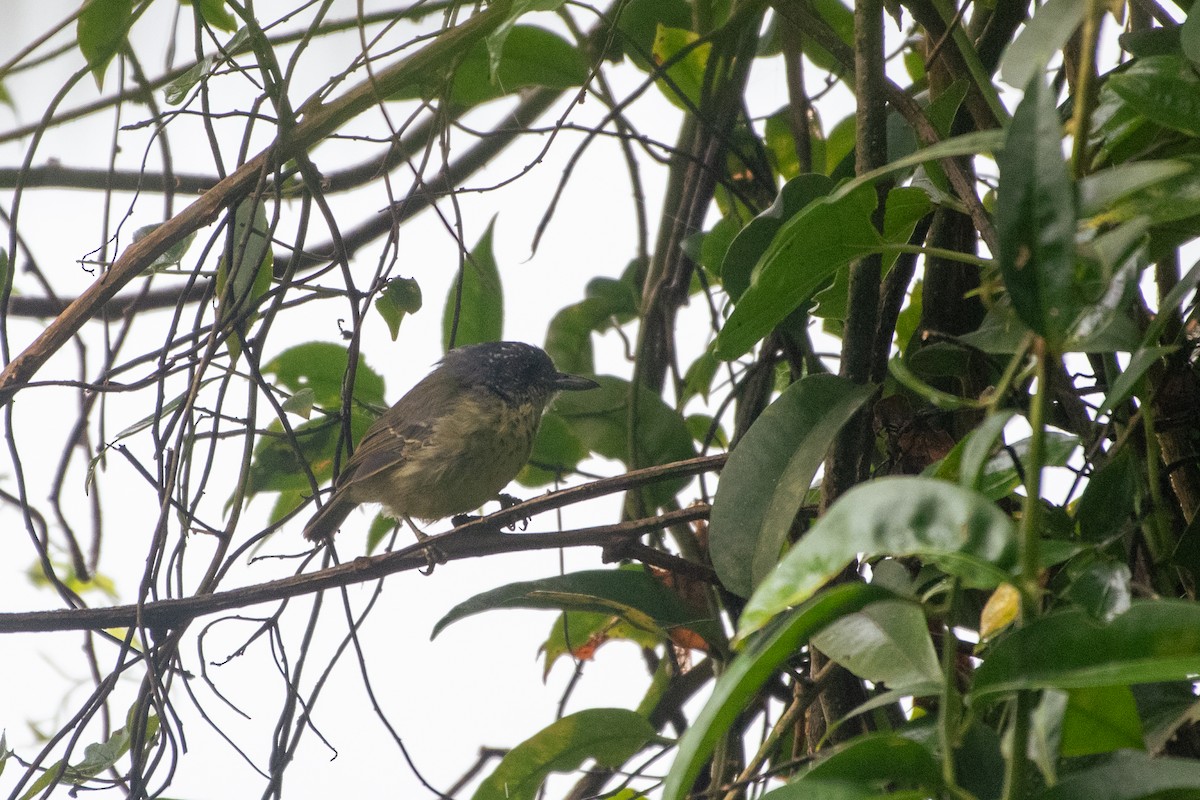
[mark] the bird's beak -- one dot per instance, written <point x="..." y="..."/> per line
<point x="573" y="383"/>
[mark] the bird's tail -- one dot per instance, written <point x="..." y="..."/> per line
<point x="325" y="523"/>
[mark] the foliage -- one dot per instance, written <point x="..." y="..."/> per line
<point x="964" y="566"/>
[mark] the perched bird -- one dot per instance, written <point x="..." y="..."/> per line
<point x="454" y="441"/>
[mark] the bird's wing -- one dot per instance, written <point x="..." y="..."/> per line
<point x="397" y="434"/>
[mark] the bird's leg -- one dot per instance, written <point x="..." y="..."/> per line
<point x="433" y="554"/>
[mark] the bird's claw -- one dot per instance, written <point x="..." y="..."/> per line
<point x="434" y="555"/>
<point x="458" y="520"/>
<point x="508" y="501"/>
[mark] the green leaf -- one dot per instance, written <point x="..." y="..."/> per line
<point x="1101" y="587"/>
<point x="768" y="475"/>
<point x="1164" y="89"/>
<point x="1035" y="218"/>
<point x="321" y="367"/>
<point x="633" y="594"/>
<point x="569" y="335"/>
<point x="881" y="761"/>
<point x="1189" y="37"/>
<point x="840" y="20"/>
<point x="806" y="252"/>
<point x="497" y="39"/>
<point x="1163" y="709"/>
<point x="531" y="56"/>
<point x="279" y="465"/>
<point x="381" y="526"/>
<point x="638" y="24"/>
<point x="177" y="90"/>
<point x="1128" y="775"/>
<point x="600" y="419"/>
<point x="399" y="297"/>
<point x="975" y="451"/>
<point x="1110" y="498"/>
<point x="480" y="312"/>
<point x="1000" y="476"/>
<point x="954" y="528"/>
<point x="556" y="452"/>
<point x="576" y="631"/>
<point x="753" y="240"/>
<point x="1152" y="641"/>
<point x="1099" y="720"/>
<point x="610" y="736"/>
<point x="172" y="255"/>
<point x="300" y="403"/>
<point x="244" y="273"/>
<point x="97" y="758"/>
<point x="886" y="643"/>
<point x="214" y="13"/>
<point x="741" y="681"/>
<point x="685" y="77"/>
<point x="1044" y="35"/>
<point x="101" y="32"/>
<point x="1126" y="383"/>
<point x="1101" y="191"/>
<point x="804" y="789"/>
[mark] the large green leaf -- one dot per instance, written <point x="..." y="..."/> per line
<point x="809" y="247"/>
<point x="1053" y="23"/>
<point x="101" y="32"/>
<point x="753" y="240"/>
<point x="569" y="334"/>
<point x="955" y="528"/>
<point x="1153" y="641"/>
<point x="638" y="23"/>
<point x="687" y="61"/>
<point x="881" y="761"/>
<point x="279" y="464"/>
<point x="1099" y="720"/>
<point x="321" y="367"/>
<point x="1146" y="181"/>
<point x="886" y="643"/>
<point x="1164" y="89"/>
<point x="743" y="678"/>
<point x="633" y="594"/>
<point x="806" y="252"/>
<point x="1035" y="218"/>
<point x="244" y="273"/>
<point x="769" y="473"/>
<point x="480" y="307"/>
<point x="600" y="420"/>
<point x="531" y="56"/>
<point x="1128" y="775"/>
<point x="610" y="736"/>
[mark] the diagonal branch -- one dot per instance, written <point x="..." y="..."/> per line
<point x="319" y="121"/>
<point x="473" y="540"/>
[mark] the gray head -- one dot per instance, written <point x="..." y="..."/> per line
<point x="513" y="370"/>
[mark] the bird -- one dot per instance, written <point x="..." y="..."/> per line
<point x="453" y="441"/>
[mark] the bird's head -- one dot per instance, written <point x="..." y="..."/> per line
<point x="514" y="370"/>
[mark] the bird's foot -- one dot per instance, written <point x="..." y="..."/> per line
<point x="458" y="520"/>
<point x="508" y="501"/>
<point x="434" y="555"/>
